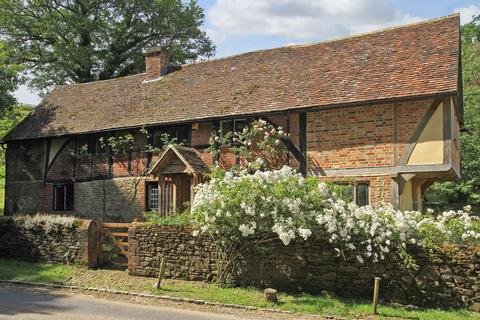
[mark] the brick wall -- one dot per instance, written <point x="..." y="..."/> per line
<point x="380" y="187"/>
<point x="448" y="277"/>
<point x="350" y="138"/>
<point x="363" y="137"/>
<point x="76" y="244"/>
<point x="409" y="115"/>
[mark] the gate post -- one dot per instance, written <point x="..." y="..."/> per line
<point x="88" y="237"/>
<point x="100" y="242"/>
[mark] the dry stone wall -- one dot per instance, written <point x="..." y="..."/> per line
<point x="187" y="257"/>
<point x="448" y="277"/>
<point x="75" y="244"/>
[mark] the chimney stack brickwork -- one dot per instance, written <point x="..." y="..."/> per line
<point x="156" y="62"/>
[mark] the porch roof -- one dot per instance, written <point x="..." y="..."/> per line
<point x="188" y="156"/>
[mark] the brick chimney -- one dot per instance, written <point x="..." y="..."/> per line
<point x="156" y="62"/>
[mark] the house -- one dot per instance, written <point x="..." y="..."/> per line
<point x="380" y="112"/>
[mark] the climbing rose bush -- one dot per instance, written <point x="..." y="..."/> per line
<point x="239" y="207"/>
<point x="260" y="144"/>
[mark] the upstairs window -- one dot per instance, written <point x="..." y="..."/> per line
<point x="63" y="197"/>
<point x="181" y="133"/>
<point x="100" y="148"/>
<point x="83" y="145"/>
<point x="90" y="145"/>
<point x="235" y="125"/>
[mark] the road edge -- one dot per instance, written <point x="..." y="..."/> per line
<point x="161" y="297"/>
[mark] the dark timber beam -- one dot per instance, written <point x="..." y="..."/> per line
<point x="48" y="146"/>
<point x="149" y="142"/>
<point x="8" y="164"/>
<point x="447" y="130"/>
<point x="302" y="128"/>
<point x="288" y="143"/>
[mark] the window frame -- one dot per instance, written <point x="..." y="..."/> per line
<point x="68" y="197"/>
<point x="148" y="186"/>
<point x="175" y="130"/>
<point x="81" y="141"/>
<point x="233" y="124"/>
<point x="98" y="150"/>
<point x="354" y="190"/>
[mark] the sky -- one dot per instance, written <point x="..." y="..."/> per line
<point x="238" y="26"/>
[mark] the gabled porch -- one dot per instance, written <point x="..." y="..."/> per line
<point x="179" y="169"/>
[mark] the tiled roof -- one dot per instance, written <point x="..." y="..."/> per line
<point x="413" y="60"/>
<point x="189" y="156"/>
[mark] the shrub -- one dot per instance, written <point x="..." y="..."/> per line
<point x="240" y="209"/>
<point x="49" y="222"/>
<point x="170" y="219"/>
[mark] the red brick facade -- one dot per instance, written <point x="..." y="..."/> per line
<point x="357" y="137"/>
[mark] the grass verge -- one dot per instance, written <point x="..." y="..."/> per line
<point x="35" y="272"/>
<point x="305" y="303"/>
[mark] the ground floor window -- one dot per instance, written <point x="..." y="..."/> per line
<point x="63" y="197"/>
<point x="152" y="196"/>
<point x="361" y="194"/>
<point x="357" y="192"/>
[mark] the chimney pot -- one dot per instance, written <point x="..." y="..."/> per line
<point x="156" y="62"/>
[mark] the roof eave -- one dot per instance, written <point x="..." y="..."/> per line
<point x="311" y="108"/>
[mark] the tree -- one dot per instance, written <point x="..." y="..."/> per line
<point x="9" y="79"/>
<point x="467" y="189"/>
<point x="76" y="41"/>
<point x="10" y="118"/>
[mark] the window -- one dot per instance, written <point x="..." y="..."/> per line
<point x="63" y="197"/>
<point x="236" y="125"/>
<point x="357" y="192"/>
<point x="99" y="146"/>
<point x="240" y="124"/>
<point x="82" y="143"/>
<point x="90" y="144"/>
<point x="361" y="194"/>
<point x="181" y="133"/>
<point x="152" y="196"/>
<point x="226" y="126"/>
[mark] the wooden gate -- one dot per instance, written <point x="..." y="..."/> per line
<point x="114" y="243"/>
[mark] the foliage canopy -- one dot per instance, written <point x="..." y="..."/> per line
<point x="75" y="41"/>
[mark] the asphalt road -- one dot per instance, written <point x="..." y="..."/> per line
<point x="26" y="304"/>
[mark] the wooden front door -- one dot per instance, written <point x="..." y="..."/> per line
<point x="174" y="192"/>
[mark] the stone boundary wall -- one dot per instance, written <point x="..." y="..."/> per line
<point x="449" y="277"/>
<point x="76" y="244"/>
<point x="187" y="257"/>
